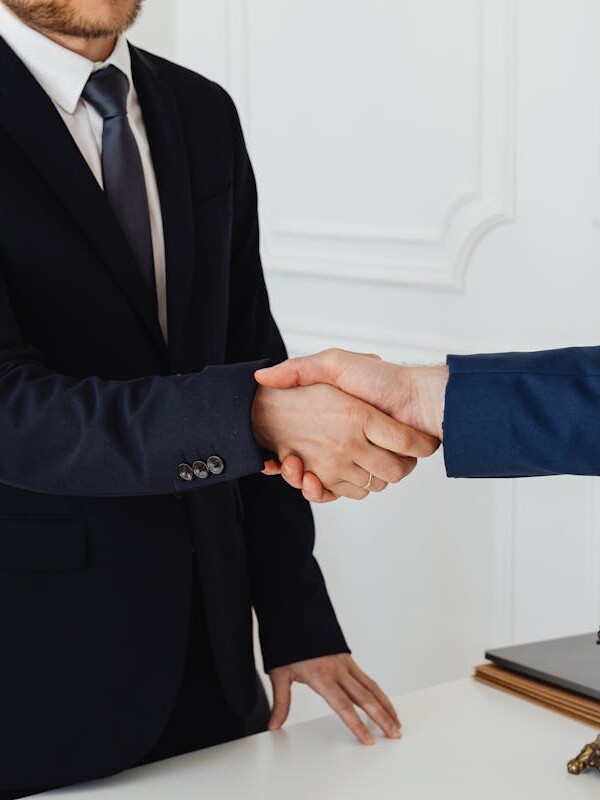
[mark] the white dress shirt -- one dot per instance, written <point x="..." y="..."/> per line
<point x="63" y="75"/>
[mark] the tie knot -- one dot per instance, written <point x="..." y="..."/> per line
<point x="107" y="91"/>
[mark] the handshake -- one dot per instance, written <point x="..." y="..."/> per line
<point x="345" y="424"/>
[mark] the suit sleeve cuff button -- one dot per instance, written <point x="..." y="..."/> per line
<point x="201" y="470"/>
<point x="216" y="465"/>
<point x="185" y="472"/>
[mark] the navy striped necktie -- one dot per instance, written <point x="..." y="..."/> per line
<point x="123" y="174"/>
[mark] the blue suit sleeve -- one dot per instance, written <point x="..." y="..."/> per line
<point x="523" y="414"/>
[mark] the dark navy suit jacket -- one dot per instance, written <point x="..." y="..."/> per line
<point x="96" y="414"/>
<point x="523" y="414"/>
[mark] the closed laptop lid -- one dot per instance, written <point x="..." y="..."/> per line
<point x="571" y="663"/>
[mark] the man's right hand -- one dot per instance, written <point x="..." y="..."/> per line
<point x="338" y="438"/>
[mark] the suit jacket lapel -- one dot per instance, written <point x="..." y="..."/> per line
<point x="30" y="117"/>
<point x="167" y="145"/>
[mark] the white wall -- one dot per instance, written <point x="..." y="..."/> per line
<point x="430" y="182"/>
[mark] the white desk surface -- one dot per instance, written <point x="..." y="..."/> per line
<point x="461" y="740"/>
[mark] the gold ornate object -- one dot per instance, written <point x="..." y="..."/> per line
<point x="590" y="755"/>
<point x="589" y="758"/>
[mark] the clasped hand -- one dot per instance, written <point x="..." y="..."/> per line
<point x="328" y="442"/>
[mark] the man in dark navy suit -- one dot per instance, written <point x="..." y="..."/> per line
<point x="499" y="415"/>
<point x="136" y="531"/>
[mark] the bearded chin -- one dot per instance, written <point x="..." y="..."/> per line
<point x="60" y="16"/>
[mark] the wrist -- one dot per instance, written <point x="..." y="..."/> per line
<point x="270" y="422"/>
<point x="427" y="397"/>
<point x="259" y="416"/>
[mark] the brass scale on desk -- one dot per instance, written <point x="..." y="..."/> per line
<point x="589" y="757"/>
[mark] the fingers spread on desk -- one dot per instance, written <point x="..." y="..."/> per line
<point x="343" y="685"/>
<point x="373" y="687"/>
<point x="338" y="699"/>
<point x="371" y="705"/>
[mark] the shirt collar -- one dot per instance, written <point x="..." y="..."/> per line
<point x="59" y="71"/>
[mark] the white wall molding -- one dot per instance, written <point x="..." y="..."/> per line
<point x="436" y="258"/>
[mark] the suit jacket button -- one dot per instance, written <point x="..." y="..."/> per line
<point x="185" y="472"/>
<point x="200" y="470"/>
<point x="215" y="465"/>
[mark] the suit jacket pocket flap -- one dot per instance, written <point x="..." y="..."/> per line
<point x="42" y="543"/>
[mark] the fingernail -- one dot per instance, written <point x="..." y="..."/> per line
<point x="396" y="733"/>
<point x="370" y="741"/>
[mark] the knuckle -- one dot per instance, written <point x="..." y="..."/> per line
<point x="333" y="357"/>
<point x="408" y="443"/>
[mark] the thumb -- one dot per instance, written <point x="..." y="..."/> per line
<point x="303" y="371"/>
<point x="282" y="699"/>
<point x="390" y="434"/>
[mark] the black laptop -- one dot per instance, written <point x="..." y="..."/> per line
<point x="571" y="663"/>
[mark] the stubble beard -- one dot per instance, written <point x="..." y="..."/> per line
<point x="60" y="16"/>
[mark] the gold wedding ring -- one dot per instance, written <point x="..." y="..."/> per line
<point x="369" y="483"/>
